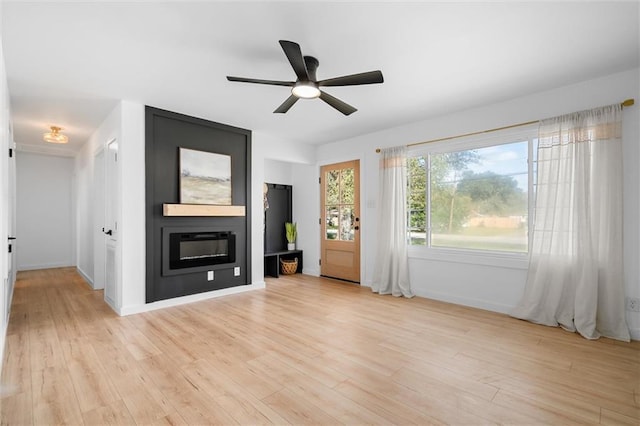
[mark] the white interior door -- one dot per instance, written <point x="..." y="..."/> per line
<point x="11" y="227"/>
<point x="99" y="222"/>
<point x="111" y="223"/>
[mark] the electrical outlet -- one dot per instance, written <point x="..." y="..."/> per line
<point x="633" y="304"/>
<point x="209" y="275"/>
<point x="236" y="271"/>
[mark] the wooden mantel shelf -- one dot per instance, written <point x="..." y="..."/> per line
<point x="201" y="210"/>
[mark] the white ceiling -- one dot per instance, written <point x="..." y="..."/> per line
<point x="68" y="63"/>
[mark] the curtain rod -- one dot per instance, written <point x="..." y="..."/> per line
<point x="626" y="103"/>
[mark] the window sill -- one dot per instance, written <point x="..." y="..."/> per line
<point x="473" y="257"/>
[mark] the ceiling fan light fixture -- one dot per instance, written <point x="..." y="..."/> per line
<point x="305" y="90"/>
<point x="54" y="136"/>
<point x="307" y="86"/>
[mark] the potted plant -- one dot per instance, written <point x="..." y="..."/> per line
<point x="291" y="234"/>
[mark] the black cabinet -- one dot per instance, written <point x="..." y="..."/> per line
<point x="272" y="261"/>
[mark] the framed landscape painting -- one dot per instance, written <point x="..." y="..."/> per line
<point x="205" y="177"/>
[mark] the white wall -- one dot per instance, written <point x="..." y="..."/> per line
<point x="132" y="244"/>
<point x="490" y="285"/>
<point x="125" y="124"/>
<point x="5" y="143"/>
<point x="84" y="191"/>
<point x="306" y="212"/>
<point x="45" y="211"/>
<point x="276" y="171"/>
<point x="84" y="195"/>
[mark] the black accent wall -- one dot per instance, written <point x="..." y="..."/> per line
<point x="279" y="212"/>
<point x="166" y="132"/>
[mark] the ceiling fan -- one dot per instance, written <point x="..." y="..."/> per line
<point x="307" y="86"/>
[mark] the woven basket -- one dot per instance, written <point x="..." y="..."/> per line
<point x="289" y="266"/>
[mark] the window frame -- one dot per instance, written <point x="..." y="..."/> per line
<point x="505" y="259"/>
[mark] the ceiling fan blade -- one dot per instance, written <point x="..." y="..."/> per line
<point x="286" y="105"/>
<point x="255" y="80"/>
<point x="343" y="107"/>
<point x="294" y="55"/>
<point x="371" y="77"/>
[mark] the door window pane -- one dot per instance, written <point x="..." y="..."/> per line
<point x="346" y="223"/>
<point x="333" y="221"/>
<point x="346" y="186"/>
<point x="339" y="201"/>
<point x="332" y="195"/>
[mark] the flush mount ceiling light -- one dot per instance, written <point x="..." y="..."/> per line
<point x="305" y="90"/>
<point x="54" y="136"/>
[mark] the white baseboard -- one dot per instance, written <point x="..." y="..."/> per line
<point x="3" y="342"/>
<point x="112" y="305"/>
<point x="311" y="271"/>
<point x="448" y="298"/>
<point x="43" y="266"/>
<point x="473" y="303"/>
<point x="488" y="306"/>
<point x="176" y="301"/>
<point x="85" y="276"/>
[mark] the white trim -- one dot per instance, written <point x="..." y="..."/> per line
<point x="315" y="272"/>
<point x="177" y="301"/>
<point x="511" y="260"/>
<point x="464" y="301"/>
<point x="3" y="333"/>
<point x="111" y="304"/>
<point x="97" y="150"/>
<point x="44" y="266"/>
<point x="85" y="276"/>
<point x="473" y="257"/>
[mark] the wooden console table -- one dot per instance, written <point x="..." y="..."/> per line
<point x="272" y="261"/>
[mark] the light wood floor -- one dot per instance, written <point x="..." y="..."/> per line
<point x="305" y="350"/>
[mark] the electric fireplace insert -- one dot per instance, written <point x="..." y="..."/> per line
<point x="196" y="250"/>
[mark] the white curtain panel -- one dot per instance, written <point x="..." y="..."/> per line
<point x="575" y="276"/>
<point x="391" y="273"/>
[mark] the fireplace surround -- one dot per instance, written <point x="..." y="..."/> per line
<point x="207" y="263"/>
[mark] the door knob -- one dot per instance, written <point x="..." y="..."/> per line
<point x="109" y="232"/>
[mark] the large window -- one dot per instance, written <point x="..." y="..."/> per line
<point x="472" y="195"/>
